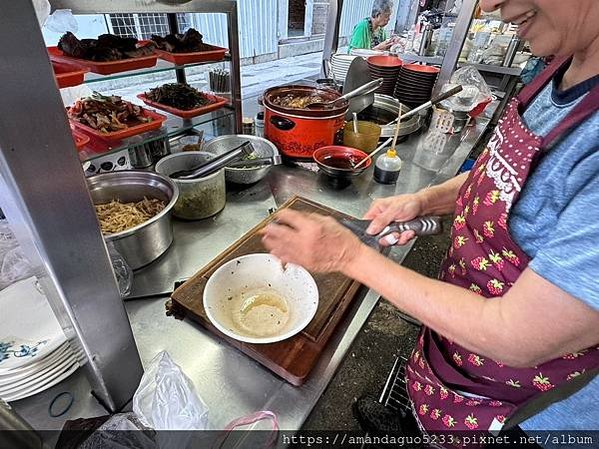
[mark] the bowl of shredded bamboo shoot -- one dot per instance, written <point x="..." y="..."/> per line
<point x="134" y="211"/>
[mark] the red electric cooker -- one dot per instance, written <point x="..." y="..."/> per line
<point x="297" y="133"/>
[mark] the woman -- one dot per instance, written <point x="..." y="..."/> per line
<point x="511" y="329"/>
<point x="370" y="32"/>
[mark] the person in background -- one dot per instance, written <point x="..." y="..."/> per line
<point x="370" y="32"/>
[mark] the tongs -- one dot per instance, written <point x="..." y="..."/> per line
<point x="430" y="225"/>
<point x="213" y="165"/>
<point x="255" y="163"/>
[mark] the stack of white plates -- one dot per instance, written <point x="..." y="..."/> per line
<point x="34" y="352"/>
<point x="340" y="65"/>
<point x="365" y="53"/>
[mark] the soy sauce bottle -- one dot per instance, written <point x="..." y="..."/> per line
<point x="387" y="167"/>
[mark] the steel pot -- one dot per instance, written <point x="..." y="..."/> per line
<point x="143" y="243"/>
<point x="262" y="148"/>
<point x="297" y="133"/>
<point x="384" y="110"/>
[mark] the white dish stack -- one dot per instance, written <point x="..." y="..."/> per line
<point x="340" y="65"/>
<point x="34" y="352"/>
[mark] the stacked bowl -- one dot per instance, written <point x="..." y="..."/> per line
<point x="415" y="84"/>
<point x="34" y="352"/>
<point x="386" y="67"/>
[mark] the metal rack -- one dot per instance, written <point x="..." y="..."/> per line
<point x="174" y="125"/>
<point x="448" y="63"/>
<point x="44" y="193"/>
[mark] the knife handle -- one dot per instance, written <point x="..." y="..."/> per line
<point x="430" y="225"/>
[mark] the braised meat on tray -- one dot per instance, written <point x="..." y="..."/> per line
<point x="107" y="47"/>
<point x="107" y="113"/>
<point x="178" y="95"/>
<point x="189" y="42"/>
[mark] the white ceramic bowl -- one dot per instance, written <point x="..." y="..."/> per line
<point x="252" y="299"/>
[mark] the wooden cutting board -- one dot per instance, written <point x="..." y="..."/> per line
<point x="294" y="358"/>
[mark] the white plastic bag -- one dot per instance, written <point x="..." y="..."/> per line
<point x="166" y="398"/>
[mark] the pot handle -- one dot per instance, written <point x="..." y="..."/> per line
<point x="282" y="123"/>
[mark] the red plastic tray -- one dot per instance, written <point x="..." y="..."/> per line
<point x="68" y="75"/>
<point x="214" y="55"/>
<point x="156" y="123"/>
<point x="80" y="139"/>
<point x="105" y="68"/>
<point x="218" y="102"/>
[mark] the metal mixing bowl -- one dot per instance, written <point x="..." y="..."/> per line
<point x="262" y="147"/>
<point x="143" y="243"/>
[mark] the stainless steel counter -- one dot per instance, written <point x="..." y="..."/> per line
<point x="229" y="382"/>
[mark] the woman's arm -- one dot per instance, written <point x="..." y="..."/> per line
<point x="533" y="323"/>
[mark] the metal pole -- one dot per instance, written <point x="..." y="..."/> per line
<point x="173" y="27"/>
<point x="460" y="32"/>
<point x="232" y="30"/>
<point x="45" y="198"/>
<point x="331" y="37"/>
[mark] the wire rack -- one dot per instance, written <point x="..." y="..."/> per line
<point x="394" y="395"/>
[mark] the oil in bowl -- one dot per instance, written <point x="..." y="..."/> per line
<point x="260" y="313"/>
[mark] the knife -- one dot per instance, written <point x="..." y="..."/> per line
<point x="430" y="225"/>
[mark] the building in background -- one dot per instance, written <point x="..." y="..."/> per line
<point x="269" y="29"/>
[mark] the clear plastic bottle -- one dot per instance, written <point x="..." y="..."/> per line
<point x="387" y="167"/>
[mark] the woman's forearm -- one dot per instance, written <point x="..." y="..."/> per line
<point x="440" y="199"/>
<point x="456" y="313"/>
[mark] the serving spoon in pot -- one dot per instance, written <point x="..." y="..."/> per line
<point x="365" y="89"/>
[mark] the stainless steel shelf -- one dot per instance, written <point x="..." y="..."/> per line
<point x="173" y="126"/>
<point x="161" y="66"/>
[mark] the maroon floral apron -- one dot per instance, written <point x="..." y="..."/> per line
<point x="452" y="388"/>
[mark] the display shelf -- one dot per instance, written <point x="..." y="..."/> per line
<point x="161" y="66"/>
<point x="172" y="127"/>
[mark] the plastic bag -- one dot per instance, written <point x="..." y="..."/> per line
<point x="166" y="398"/>
<point x="14" y="266"/>
<point x="61" y="21"/>
<point x="474" y="90"/>
<point x="122" y="271"/>
<point x="121" y="431"/>
<point x="42" y="10"/>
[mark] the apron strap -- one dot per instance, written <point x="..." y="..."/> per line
<point x="541" y="401"/>
<point x="587" y="107"/>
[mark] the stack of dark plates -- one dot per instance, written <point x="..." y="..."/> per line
<point x="386" y="67"/>
<point x="415" y="84"/>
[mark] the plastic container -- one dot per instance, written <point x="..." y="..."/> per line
<point x="68" y="75"/>
<point x="259" y="120"/>
<point x="80" y="139"/>
<point x="104" y="68"/>
<point x="156" y="123"/>
<point x="213" y="55"/>
<point x="198" y="198"/>
<point x="367" y="137"/>
<point x="217" y="103"/>
<point x="387" y="167"/>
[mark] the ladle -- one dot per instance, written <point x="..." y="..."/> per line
<point x="365" y="89"/>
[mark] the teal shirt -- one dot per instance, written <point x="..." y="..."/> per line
<point x="362" y="36"/>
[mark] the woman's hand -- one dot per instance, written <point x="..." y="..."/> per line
<point x="385" y="211"/>
<point x="385" y="45"/>
<point x="315" y="242"/>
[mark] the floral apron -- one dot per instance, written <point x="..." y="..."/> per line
<point x="450" y="387"/>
